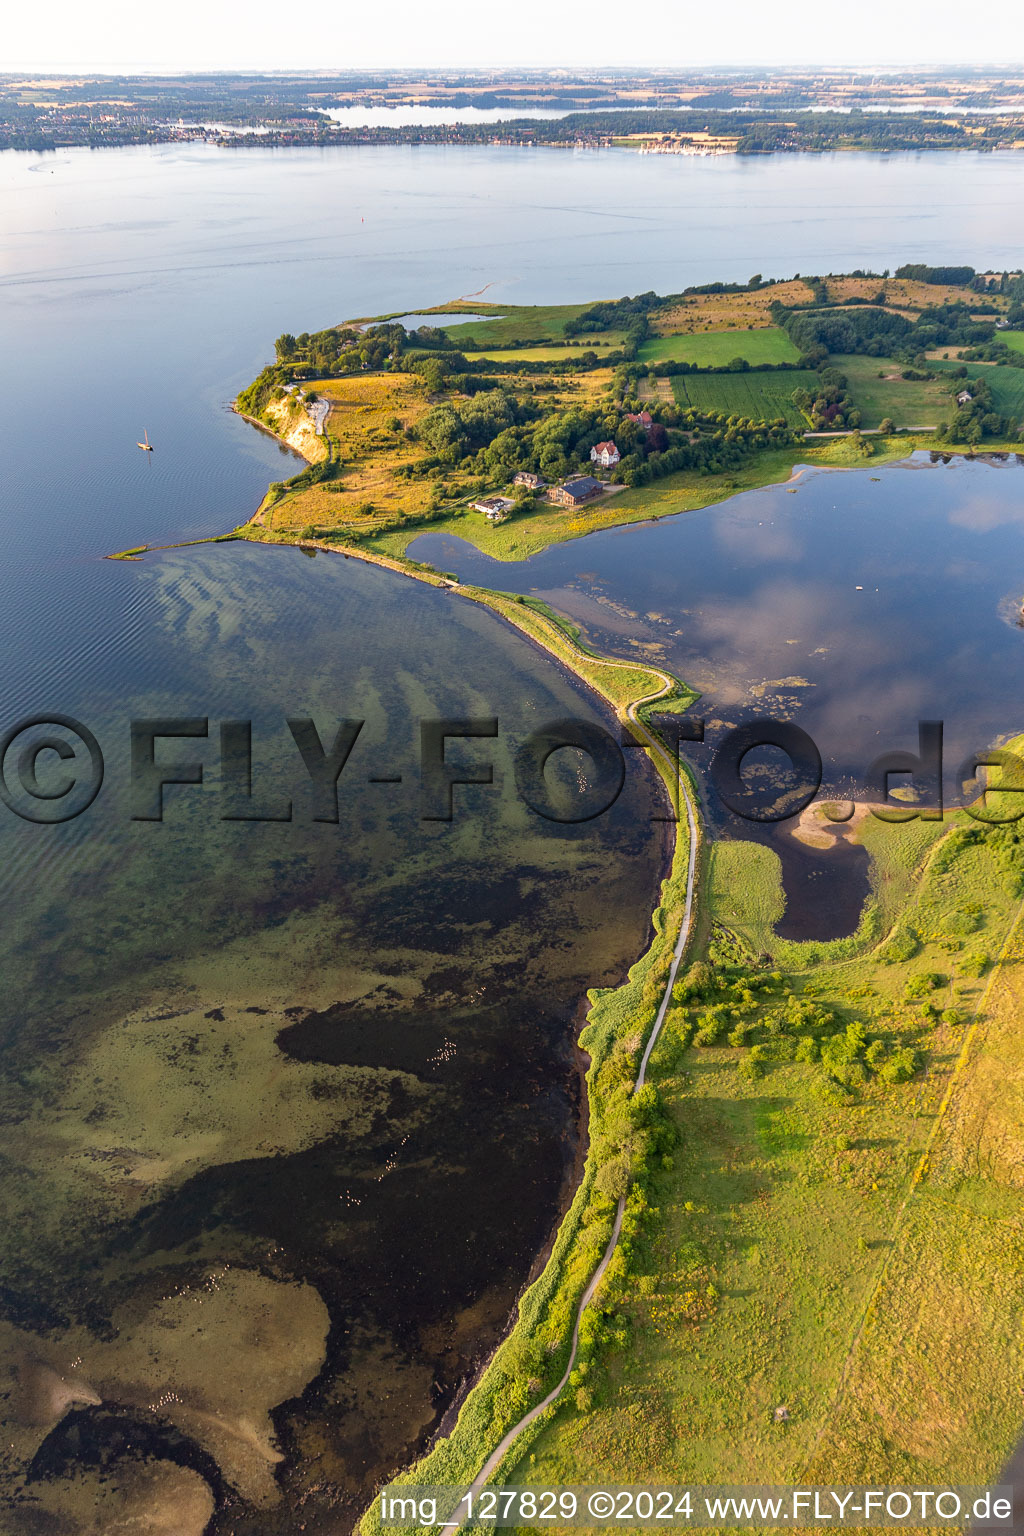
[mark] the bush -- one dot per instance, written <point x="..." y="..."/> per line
<point x="831" y="1092"/>
<point x="698" y="982"/>
<point x="683" y="1029"/>
<point x="613" y="1178"/>
<point x="903" y="945"/>
<point x="710" y="1029"/>
<point x="967" y="920"/>
<point x="975" y="964"/>
<point x="902" y="1064"/>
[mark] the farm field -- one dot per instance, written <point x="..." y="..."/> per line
<point x="906" y="402"/>
<point x="761" y="396"/>
<point x="766" y="344"/>
<point x="1007" y="389"/>
<point x="1014" y="340"/>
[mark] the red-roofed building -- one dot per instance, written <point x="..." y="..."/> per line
<point x="644" y="420"/>
<point x="605" y="454"/>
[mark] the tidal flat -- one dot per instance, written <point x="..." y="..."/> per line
<point x="292" y="1108"/>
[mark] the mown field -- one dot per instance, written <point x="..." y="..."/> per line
<point x="906" y="402"/>
<point x="761" y="396"/>
<point x="714" y="349"/>
<point x="1014" y="340"/>
<point x="1007" y="389"/>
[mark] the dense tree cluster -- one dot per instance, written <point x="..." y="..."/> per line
<point x="817" y="332"/>
<point x="759" y="1010"/>
<point x="977" y="417"/>
<point x="878" y="332"/>
<point x="341" y="350"/>
<point x="952" y="277"/>
<point x="494" y="435"/>
<point x="830" y="407"/>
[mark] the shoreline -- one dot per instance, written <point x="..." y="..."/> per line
<point x="551" y="1269"/>
<point x="551" y="1262"/>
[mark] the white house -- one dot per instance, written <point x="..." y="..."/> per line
<point x="495" y="508"/>
<point x="605" y="454"/>
<point x="964" y="397"/>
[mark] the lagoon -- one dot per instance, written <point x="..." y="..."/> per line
<point x="853" y="602"/>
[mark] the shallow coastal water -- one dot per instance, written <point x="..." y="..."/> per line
<point x="315" y="1085"/>
<point x="326" y="1068"/>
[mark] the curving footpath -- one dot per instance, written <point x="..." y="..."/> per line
<point x="501" y="1450"/>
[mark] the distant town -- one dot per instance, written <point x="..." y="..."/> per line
<point x="697" y="112"/>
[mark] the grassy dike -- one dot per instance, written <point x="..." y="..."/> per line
<point x="533" y="1356"/>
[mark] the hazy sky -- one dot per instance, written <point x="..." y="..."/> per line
<point x="113" y="35"/>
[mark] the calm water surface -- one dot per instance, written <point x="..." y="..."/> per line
<point x="854" y="602"/>
<point x="319" y="1081"/>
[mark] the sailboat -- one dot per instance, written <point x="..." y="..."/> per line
<point x="147" y="446"/>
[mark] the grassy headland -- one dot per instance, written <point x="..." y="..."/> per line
<point x="702" y="393"/>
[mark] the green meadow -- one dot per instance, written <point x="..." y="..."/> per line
<point x="715" y="349"/>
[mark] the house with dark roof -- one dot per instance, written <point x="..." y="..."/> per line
<point x="573" y="493"/>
